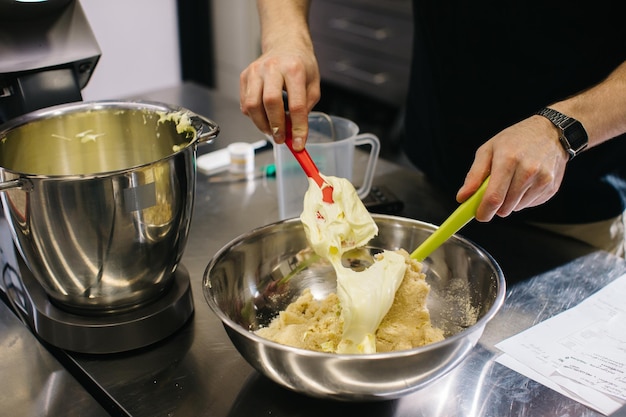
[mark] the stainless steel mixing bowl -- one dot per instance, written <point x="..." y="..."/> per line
<point x="99" y="198"/>
<point x="258" y="274"/>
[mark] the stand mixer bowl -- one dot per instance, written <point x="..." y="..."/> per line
<point x="99" y="198"/>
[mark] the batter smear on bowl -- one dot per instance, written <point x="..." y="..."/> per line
<point x="380" y="309"/>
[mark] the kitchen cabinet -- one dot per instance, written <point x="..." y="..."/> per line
<point x="364" y="46"/>
<point x="363" y="49"/>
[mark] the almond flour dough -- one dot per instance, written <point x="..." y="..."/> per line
<point x="333" y="229"/>
<point x="316" y="325"/>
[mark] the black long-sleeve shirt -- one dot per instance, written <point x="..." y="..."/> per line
<point x="481" y="66"/>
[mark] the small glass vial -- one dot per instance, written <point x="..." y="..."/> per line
<point x="241" y="158"/>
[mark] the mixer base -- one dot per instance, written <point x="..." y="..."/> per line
<point x="108" y="333"/>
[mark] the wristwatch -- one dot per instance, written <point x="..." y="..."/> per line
<point x="572" y="134"/>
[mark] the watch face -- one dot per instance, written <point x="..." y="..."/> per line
<point x="575" y="135"/>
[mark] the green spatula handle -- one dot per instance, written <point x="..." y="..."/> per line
<point x="459" y="218"/>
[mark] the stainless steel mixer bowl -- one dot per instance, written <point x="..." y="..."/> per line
<point x="99" y="198"/>
<point x="258" y="274"/>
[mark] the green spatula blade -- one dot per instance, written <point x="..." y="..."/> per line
<point x="459" y="218"/>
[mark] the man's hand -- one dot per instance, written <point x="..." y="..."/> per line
<point x="526" y="162"/>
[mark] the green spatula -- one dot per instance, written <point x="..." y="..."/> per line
<point x="459" y="218"/>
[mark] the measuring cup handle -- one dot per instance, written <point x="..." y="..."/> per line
<point x="374" y="143"/>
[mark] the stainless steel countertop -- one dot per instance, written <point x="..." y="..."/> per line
<point x="198" y="372"/>
<point x="33" y="382"/>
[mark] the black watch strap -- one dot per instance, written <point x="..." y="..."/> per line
<point x="572" y="134"/>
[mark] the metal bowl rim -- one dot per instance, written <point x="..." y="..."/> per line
<point x="97" y="105"/>
<point x="83" y="106"/>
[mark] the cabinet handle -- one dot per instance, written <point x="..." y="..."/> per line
<point x="345" y="69"/>
<point x="358" y="29"/>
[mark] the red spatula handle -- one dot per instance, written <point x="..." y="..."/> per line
<point x="306" y="162"/>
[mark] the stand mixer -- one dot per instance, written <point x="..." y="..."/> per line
<point x="48" y="55"/>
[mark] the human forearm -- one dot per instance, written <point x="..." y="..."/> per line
<point x="287" y="64"/>
<point x="527" y="162"/>
<point x="601" y="109"/>
<point x="284" y="21"/>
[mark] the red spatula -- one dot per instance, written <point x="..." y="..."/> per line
<point x="307" y="164"/>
